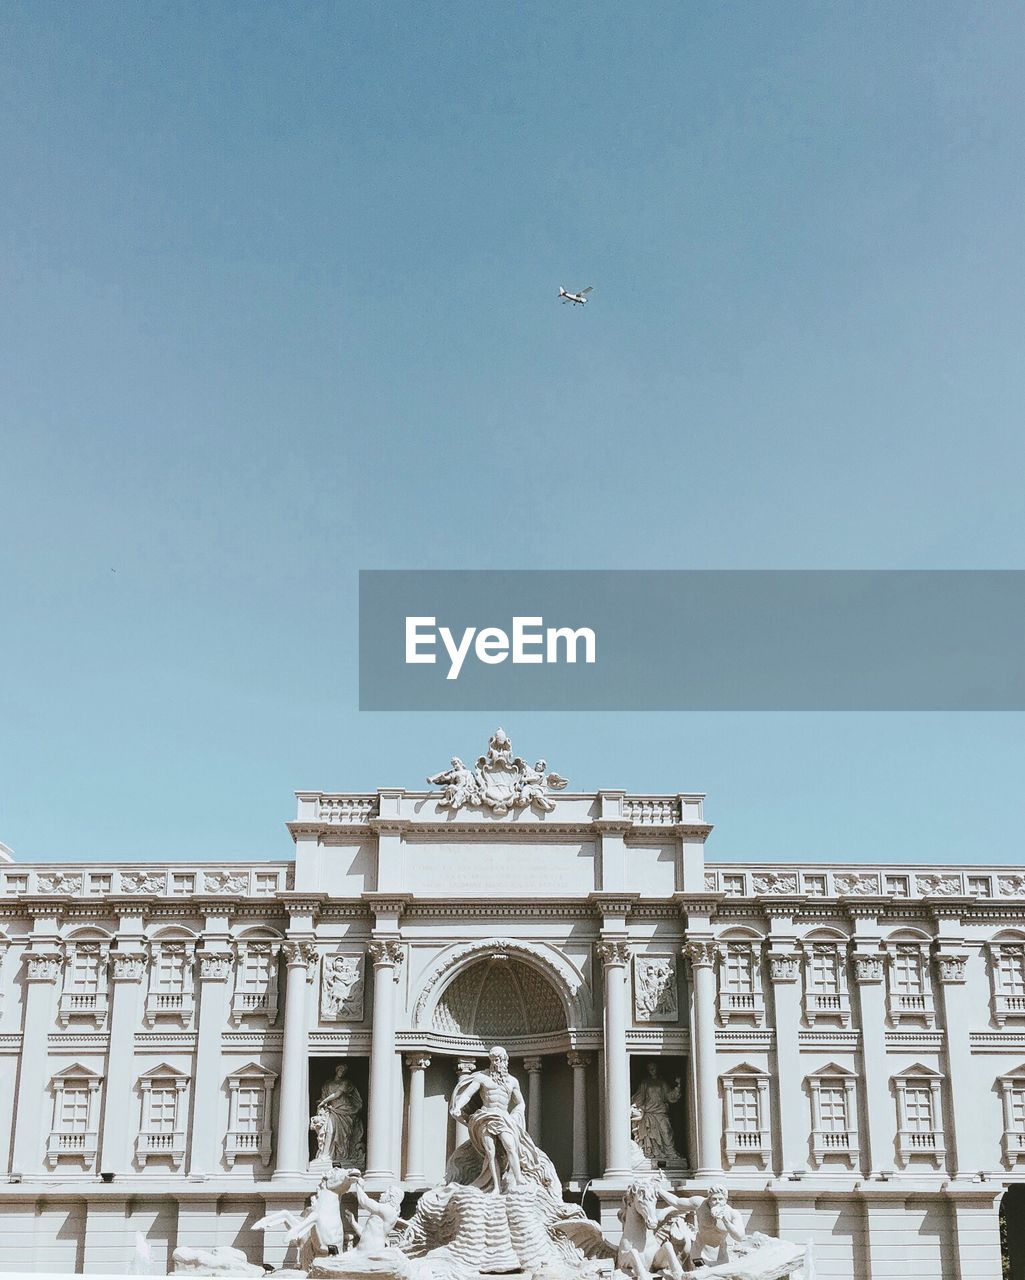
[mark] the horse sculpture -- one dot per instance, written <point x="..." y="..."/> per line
<point x="652" y="1242"/>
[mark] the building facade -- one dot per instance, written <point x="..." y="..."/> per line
<point x="843" y="1047"/>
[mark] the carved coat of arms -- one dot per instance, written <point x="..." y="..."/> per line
<point x="499" y="781"/>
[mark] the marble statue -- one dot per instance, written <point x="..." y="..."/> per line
<point x="716" y="1224"/>
<point x="319" y="1230"/>
<point x="499" y="781"/>
<point x="654" y="1133"/>
<point x="219" y="1261"/>
<point x="694" y="1235"/>
<point x="497" y="1130"/>
<point x="337" y="1123"/>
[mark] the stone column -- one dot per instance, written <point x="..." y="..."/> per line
<point x="578" y="1061"/>
<point x="386" y="954"/>
<point x="127" y="970"/>
<point x="206" y="1138"/>
<point x="702" y="954"/>
<point x="293" y="1105"/>
<point x="417" y="1064"/>
<point x="42" y="969"/>
<point x="532" y="1066"/>
<point x="615" y="957"/>
<point x="464" y="1067"/>
<point x="876" y="1136"/>
<point x="785" y="977"/>
<point x="968" y="1155"/>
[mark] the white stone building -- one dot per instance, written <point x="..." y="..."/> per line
<point x="850" y="1040"/>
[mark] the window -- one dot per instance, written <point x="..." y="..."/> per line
<point x="100" y="884"/>
<point x="909" y="989"/>
<point x="182" y="883"/>
<point x="919" y="1115"/>
<point x="170" y="992"/>
<point x="162" y="1129"/>
<point x="1007" y="969"/>
<point x="17" y="884"/>
<point x="826" y="998"/>
<point x="824" y="978"/>
<point x="249" y="1114"/>
<point x="256" y="981"/>
<point x="980" y="886"/>
<point x="815" y="886"/>
<point x="266" y="882"/>
<point x="740" y="986"/>
<point x="897" y="886"/>
<point x="834" y="1115"/>
<point x="745" y="1093"/>
<point x="907" y="971"/>
<point x="85" y="982"/>
<point x="733" y="884"/>
<point x="1012" y="1087"/>
<point x="73" y="1132"/>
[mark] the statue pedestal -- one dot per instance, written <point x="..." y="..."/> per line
<point x="389" y="1264"/>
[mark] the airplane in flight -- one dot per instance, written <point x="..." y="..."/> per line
<point x="580" y="297"/>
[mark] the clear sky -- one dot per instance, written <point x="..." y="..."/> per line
<point x="279" y="303"/>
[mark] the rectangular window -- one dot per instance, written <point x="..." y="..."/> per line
<point x="182" y="884"/>
<point x="163" y="1107"/>
<point x="1017" y="1107"/>
<point x="1012" y="972"/>
<point x="99" y="884"/>
<point x="739" y="974"/>
<point x="980" y="886"/>
<point x="897" y="886"/>
<point x="745" y="1108"/>
<point x="733" y="885"/>
<point x="171" y="971"/>
<point x="832" y="1108"/>
<point x="74" y="1110"/>
<point x="250" y="1108"/>
<point x="815" y="886"/>
<point x="918" y="1108"/>
<point x="85" y="971"/>
<point x="825" y="976"/>
<point x="256" y="971"/>
<point x="907" y="971"/>
<point x="266" y="882"/>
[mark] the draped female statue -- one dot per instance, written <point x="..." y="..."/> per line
<point x="338" y="1122"/>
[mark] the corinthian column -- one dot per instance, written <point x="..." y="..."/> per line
<point x="578" y="1061"/>
<point x="417" y="1064"/>
<point x="42" y="969"/>
<point x="702" y="954"/>
<point x="293" y="1106"/>
<point x="464" y="1067"/>
<point x="387" y="957"/>
<point x="214" y="971"/>
<point x="615" y="957"/>
<point x="128" y="969"/>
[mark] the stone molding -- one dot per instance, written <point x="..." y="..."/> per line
<point x="612" y="951"/>
<point x="702" y="953"/>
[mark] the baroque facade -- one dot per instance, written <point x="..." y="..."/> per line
<point x="843" y="1047"/>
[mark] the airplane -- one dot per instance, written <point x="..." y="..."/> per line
<point x="580" y="297"/>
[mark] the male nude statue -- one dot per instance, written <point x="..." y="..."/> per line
<point x="498" y="1122"/>
<point x="716" y="1220"/>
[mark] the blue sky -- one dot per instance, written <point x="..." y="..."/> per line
<point x="279" y="304"/>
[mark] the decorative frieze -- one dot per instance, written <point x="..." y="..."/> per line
<point x="387" y="951"/>
<point x="656" y="997"/>
<point x="229" y="882"/>
<point x="42" y="966"/>
<point x="868" y="966"/>
<point x="940" y="886"/>
<point x="784" y="966"/>
<point x="59" y="882"/>
<point x="341" y="988"/>
<point x="950" y="967"/>
<point x="765" y="882"/>
<point x="127" y="966"/>
<point x="857" y="884"/>
<point x="143" y="881"/>
<point x="215" y="966"/>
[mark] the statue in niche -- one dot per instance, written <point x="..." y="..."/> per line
<point x="337" y="1122"/>
<point x="654" y="1133"/>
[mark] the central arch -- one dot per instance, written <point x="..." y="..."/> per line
<point x="458" y="982"/>
<point x="499" y="998"/>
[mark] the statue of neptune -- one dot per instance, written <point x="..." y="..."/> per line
<point x="497" y="1130"/>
